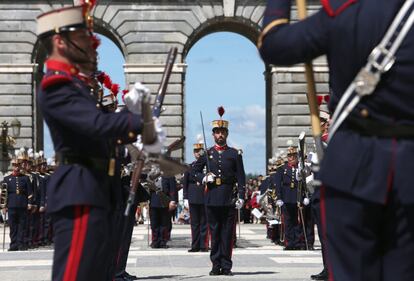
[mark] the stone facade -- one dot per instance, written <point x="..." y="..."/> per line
<point x="144" y="31"/>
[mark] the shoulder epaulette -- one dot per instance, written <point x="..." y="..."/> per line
<point x="55" y="77"/>
<point x="335" y="7"/>
<point x="239" y="151"/>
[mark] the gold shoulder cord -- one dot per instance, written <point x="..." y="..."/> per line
<point x="268" y="28"/>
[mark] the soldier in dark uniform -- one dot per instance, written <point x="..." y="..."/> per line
<point x="193" y="194"/>
<point x="19" y="197"/>
<point x="285" y="178"/>
<point x="128" y="224"/>
<point x="26" y="161"/>
<point x="269" y="189"/>
<point x="46" y="171"/>
<point x="160" y="211"/>
<point x="36" y="218"/>
<point x="225" y="186"/>
<point x="367" y="196"/>
<point x="43" y="178"/>
<point x="78" y="192"/>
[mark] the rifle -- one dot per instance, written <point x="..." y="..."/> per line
<point x="149" y="134"/>
<point x="302" y="189"/>
<point x="175" y="145"/>
<point x="3" y="205"/>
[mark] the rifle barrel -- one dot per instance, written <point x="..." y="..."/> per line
<point x="205" y="143"/>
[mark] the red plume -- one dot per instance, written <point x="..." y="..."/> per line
<point x="220" y="111"/>
<point x="101" y="77"/>
<point x="327" y="98"/>
<point x="320" y="99"/>
<point x="115" y="89"/>
<point x="107" y="82"/>
<point x="95" y="41"/>
<point x="90" y="3"/>
<point x="124" y="92"/>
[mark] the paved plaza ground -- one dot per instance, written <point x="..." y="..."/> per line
<point x="255" y="259"/>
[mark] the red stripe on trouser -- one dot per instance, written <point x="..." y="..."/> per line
<point x="206" y="237"/>
<point x="78" y="240"/>
<point x="323" y="223"/>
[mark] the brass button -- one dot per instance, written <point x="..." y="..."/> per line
<point x="364" y="112"/>
<point x="98" y="105"/>
<point x="131" y="135"/>
<point x="119" y="141"/>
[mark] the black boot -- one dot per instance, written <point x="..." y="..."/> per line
<point x="215" y="271"/>
<point x="321" y="276"/>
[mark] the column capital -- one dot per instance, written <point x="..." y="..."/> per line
<point x="18" y="68"/>
<point x="152" y="68"/>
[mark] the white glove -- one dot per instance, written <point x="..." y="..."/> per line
<point x="159" y="144"/>
<point x="239" y="203"/>
<point x="260" y="197"/>
<point x="158" y="183"/>
<point x="138" y="144"/>
<point x="186" y="205"/>
<point x="298" y="175"/>
<point x="134" y="98"/>
<point x="306" y="201"/>
<point x="209" y="178"/>
<point x="279" y="203"/>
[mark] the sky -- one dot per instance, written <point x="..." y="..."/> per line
<point x="224" y="69"/>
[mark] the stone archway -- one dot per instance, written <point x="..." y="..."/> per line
<point x="144" y="31"/>
<point x="249" y="31"/>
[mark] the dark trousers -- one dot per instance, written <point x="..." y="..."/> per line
<point x="117" y="224"/>
<point x="160" y="224"/>
<point x="292" y="227"/>
<point x="36" y="228"/>
<point x="316" y="213"/>
<point x="199" y="229"/>
<point x="81" y="236"/>
<point x="273" y="232"/>
<point x="246" y="215"/>
<point x="222" y="223"/>
<point x="367" y="241"/>
<point x="46" y="228"/>
<point x="28" y="229"/>
<point x="127" y="230"/>
<point x="17" y="222"/>
<point x="309" y="228"/>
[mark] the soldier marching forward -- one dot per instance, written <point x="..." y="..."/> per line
<point x="225" y="185"/>
<point x="79" y="190"/>
<point x="289" y="197"/>
<point x="160" y="212"/>
<point x="193" y="193"/>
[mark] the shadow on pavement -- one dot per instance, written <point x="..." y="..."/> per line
<point x="255" y="272"/>
<point x="159" y="277"/>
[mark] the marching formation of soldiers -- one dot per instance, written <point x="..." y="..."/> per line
<point x="24" y="201"/>
<point x="356" y="188"/>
